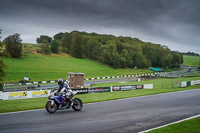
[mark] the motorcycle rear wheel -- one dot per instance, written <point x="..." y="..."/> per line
<point x="77" y="104"/>
<point x="50" y="108"/>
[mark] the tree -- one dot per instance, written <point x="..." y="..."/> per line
<point x="66" y="44"/>
<point x="126" y="58"/>
<point x="45" y="40"/>
<point x="109" y="55"/>
<point x="58" y="36"/>
<point x="1" y="45"/>
<point x="177" y="59"/>
<point x="2" y="65"/>
<point x="168" y="61"/>
<point x="54" y="46"/>
<point x="45" y="48"/>
<point x="14" y="45"/>
<point x="77" y="45"/>
<point x="93" y="46"/>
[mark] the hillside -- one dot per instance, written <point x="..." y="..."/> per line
<point x="191" y="60"/>
<point x="117" y="52"/>
<point x="51" y="67"/>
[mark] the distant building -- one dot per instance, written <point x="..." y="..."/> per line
<point x="156" y="69"/>
<point x="76" y="80"/>
<point x="34" y="52"/>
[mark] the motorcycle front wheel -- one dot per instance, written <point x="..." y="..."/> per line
<point x="51" y="108"/>
<point x="77" y="104"/>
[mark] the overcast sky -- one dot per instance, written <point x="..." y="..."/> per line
<point x="174" y="23"/>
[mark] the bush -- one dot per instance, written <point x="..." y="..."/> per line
<point x="13" y="45"/>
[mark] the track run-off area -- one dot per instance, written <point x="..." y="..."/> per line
<point x="117" y="116"/>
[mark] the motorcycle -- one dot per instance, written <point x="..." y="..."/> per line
<point x="52" y="105"/>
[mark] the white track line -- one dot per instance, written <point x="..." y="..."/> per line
<point x="20" y="111"/>
<point x="170" y="124"/>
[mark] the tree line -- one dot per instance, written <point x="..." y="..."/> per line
<point x="191" y="53"/>
<point x="117" y="52"/>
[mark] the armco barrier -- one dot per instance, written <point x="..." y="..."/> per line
<point x="184" y="84"/>
<point x="128" y="87"/>
<point x="45" y="93"/>
<point x="124" y="88"/>
<point x="148" y="86"/>
<point x="99" y="89"/>
<point x="196" y="82"/>
<point x="192" y="83"/>
<point x="189" y="83"/>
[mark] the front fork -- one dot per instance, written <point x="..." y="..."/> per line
<point x="52" y="103"/>
<point x="70" y="101"/>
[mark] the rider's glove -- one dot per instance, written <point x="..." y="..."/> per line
<point x="59" y="93"/>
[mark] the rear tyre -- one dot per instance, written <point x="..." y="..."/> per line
<point x="51" y="108"/>
<point x="77" y="104"/>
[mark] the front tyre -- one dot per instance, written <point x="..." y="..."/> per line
<point x="51" y="108"/>
<point x="77" y="104"/>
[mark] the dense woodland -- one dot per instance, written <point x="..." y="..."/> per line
<point x="117" y="52"/>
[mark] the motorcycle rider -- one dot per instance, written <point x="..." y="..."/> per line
<point x="63" y="92"/>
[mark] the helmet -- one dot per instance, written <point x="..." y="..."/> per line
<point x="60" y="81"/>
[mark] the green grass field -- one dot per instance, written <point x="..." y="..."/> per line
<point x="51" y="67"/>
<point x="188" y="126"/>
<point x="191" y="60"/>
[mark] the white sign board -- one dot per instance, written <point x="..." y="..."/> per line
<point x="26" y="78"/>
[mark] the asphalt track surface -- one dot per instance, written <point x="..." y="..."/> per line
<point x="119" y="116"/>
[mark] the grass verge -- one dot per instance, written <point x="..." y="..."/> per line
<point x="188" y="126"/>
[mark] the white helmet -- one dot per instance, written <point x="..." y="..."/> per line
<point x="60" y="81"/>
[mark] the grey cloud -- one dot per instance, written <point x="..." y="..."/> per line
<point x="171" y="22"/>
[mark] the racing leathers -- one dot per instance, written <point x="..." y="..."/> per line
<point x="63" y="92"/>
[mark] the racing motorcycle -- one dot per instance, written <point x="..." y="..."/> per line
<point x="52" y="105"/>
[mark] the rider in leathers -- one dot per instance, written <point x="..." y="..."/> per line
<point x="63" y="92"/>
